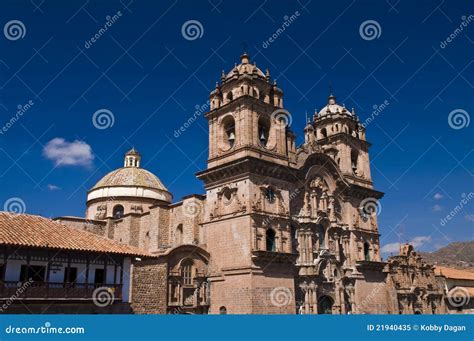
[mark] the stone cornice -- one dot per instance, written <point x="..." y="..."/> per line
<point x="246" y="166"/>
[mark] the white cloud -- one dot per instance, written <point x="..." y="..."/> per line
<point x="53" y="187"/>
<point x="419" y="241"/>
<point x="469" y="217"/>
<point x="437" y="196"/>
<point x="64" y="153"/>
<point x="390" y="248"/>
<point x="395" y="247"/>
<point x="437" y="208"/>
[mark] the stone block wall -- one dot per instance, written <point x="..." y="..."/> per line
<point x="149" y="286"/>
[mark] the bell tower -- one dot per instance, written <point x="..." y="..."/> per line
<point x="335" y="125"/>
<point x="247" y="117"/>
<point x="246" y="226"/>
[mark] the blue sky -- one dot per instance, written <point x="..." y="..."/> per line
<point x="150" y="78"/>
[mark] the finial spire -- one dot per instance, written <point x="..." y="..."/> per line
<point x="244" y="58"/>
<point x="331" y="98"/>
<point x="244" y="47"/>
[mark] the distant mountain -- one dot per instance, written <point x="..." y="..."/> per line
<point x="458" y="255"/>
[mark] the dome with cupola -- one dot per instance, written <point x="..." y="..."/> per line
<point x="333" y="107"/>
<point x="244" y="68"/>
<point x="129" y="186"/>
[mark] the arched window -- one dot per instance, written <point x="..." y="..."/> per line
<point x="187" y="271"/>
<point x="223" y="310"/>
<point x="255" y="93"/>
<point x="178" y="236"/>
<point x="366" y="251"/>
<point x="324" y="133"/>
<point x="321" y="235"/>
<point x="229" y="131"/>
<point x="118" y="211"/>
<point x="270" y="238"/>
<point x="227" y="195"/>
<point x="229" y="96"/>
<point x="354" y="160"/>
<point x="325" y="305"/>
<point x="263" y="130"/>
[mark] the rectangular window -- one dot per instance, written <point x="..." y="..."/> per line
<point x="99" y="277"/>
<point x="70" y="275"/>
<point x="35" y="272"/>
<point x="2" y="272"/>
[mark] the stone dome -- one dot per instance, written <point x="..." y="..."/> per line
<point x="245" y="68"/>
<point x="130" y="181"/>
<point x="130" y="176"/>
<point x="333" y="108"/>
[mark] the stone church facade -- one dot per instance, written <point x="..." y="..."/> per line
<point x="282" y="229"/>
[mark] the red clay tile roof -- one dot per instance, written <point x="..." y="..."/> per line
<point x="453" y="273"/>
<point x="36" y="231"/>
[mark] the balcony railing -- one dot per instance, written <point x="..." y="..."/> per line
<point x="55" y="290"/>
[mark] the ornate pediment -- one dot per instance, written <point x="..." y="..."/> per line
<point x="227" y="202"/>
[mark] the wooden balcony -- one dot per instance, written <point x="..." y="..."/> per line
<point x="54" y="290"/>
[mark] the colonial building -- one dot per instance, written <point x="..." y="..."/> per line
<point x="47" y="267"/>
<point x="281" y="229"/>
<point x="459" y="288"/>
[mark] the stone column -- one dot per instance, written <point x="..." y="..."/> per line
<point x="354" y="307"/>
<point x="302" y="248"/>
<point x="343" y="301"/>
<point x="338" y="250"/>
<point x="306" y="298"/>
<point x="310" y="248"/>
<point x="314" y="289"/>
